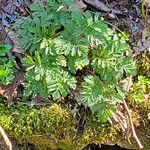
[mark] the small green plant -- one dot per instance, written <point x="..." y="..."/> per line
<point x="43" y="23"/>
<point x="46" y="77"/>
<point x="6" y="65"/>
<point x="139" y="90"/>
<point x="78" y="40"/>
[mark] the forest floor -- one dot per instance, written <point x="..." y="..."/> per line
<point x="125" y="15"/>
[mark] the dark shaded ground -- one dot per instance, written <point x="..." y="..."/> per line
<point x="104" y="147"/>
<point x="90" y="147"/>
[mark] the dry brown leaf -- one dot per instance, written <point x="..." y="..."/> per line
<point x="78" y="5"/>
<point x="10" y="91"/>
<point x="15" y="41"/>
<point x="143" y="43"/>
<point x="2" y="35"/>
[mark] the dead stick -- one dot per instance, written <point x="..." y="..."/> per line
<point x="130" y="117"/>
<point x="101" y="6"/>
<point x="8" y="143"/>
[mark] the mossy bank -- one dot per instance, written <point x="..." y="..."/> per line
<point x="51" y="127"/>
<point x="54" y="127"/>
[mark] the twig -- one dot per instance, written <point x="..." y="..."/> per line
<point x="147" y="96"/>
<point x="34" y="103"/>
<point x="130" y="117"/>
<point x="115" y="28"/>
<point x="6" y="138"/>
<point x="108" y="5"/>
<point x="102" y="7"/>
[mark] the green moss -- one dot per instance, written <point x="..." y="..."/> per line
<point x="24" y="120"/>
<point x="139" y="99"/>
<point x="51" y="127"/>
<point x="54" y="127"/>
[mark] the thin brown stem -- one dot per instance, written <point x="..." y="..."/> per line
<point x="8" y="143"/>
<point x="130" y="117"/>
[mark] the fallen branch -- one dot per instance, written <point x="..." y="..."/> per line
<point x="130" y="117"/>
<point x="8" y="143"/>
<point x="102" y="7"/>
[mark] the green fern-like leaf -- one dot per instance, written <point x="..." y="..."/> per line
<point x="6" y="65"/>
<point x="77" y="63"/>
<point x="103" y="111"/>
<point x="59" y="83"/>
<point x="66" y="41"/>
<point x="109" y="63"/>
<point x="33" y="30"/>
<point x="100" y="97"/>
<point x="47" y="71"/>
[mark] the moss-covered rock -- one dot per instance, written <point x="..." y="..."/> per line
<point x="53" y="127"/>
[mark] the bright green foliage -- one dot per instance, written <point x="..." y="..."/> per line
<point x="43" y="23"/>
<point x="77" y="63"/>
<point x="99" y="97"/>
<point x="59" y="9"/>
<point x="63" y="42"/>
<point x="109" y="63"/>
<point x="46" y="77"/>
<point x="6" y="65"/>
<point x="33" y="31"/>
<point x="140" y="90"/>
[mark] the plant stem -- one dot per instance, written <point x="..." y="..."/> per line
<point x="130" y="117"/>
<point x="6" y="138"/>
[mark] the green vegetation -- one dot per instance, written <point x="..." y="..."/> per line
<point x="51" y="127"/>
<point x="76" y="61"/>
<point x="140" y="90"/>
<point x="6" y="65"/>
<point x="43" y="24"/>
<point x="61" y="43"/>
<point x="45" y="76"/>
